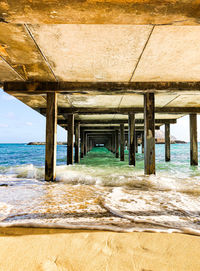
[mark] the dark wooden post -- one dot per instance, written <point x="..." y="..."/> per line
<point x="51" y="137"/>
<point x="88" y="145"/>
<point x="149" y="134"/>
<point x="117" y="144"/>
<point x="167" y="142"/>
<point x="193" y="140"/>
<point x="82" y="143"/>
<point x="70" y="139"/>
<point x="136" y="142"/>
<point x="122" y="142"/>
<point x="77" y="143"/>
<point x="113" y="142"/>
<point x="131" y="138"/>
<point x="91" y="143"/>
<point x="142" y="142"/>
<point x="85" y="143"/>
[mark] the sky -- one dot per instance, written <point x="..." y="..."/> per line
<point x="21" y="124"/>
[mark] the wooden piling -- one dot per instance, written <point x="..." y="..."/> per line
<point x="85" y="144"/>
<point x="193" y="140"/>
<point x="122" y="142"/>
<point x="77" y="143"/>
<point x="70" y="139"/>
<point x="167" y="142"/>
<point x="51" y="137"/>
<point x="117" y="144"/>
<point x="82" y="144"/>
<point x="149" y="134"/>
<point x="142" y="134"/>
<point x="136" y="142"/>
<point x="113" y="143"/>
<point x="131" y="138"/>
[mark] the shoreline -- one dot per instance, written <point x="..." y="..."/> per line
<point x="89" y="250"/>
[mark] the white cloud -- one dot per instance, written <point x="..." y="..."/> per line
<point x="2" y="125"/>
<point x="28" y="123"/>
<point x="10" y="114"/>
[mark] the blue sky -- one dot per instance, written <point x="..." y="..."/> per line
<point x="20" y="124"/>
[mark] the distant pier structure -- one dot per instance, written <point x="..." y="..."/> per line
<point x="106" y="71"/>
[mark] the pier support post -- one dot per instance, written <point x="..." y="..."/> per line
<point x="70" y="139"/>
<point x="77" y="143"/>
<point x="117" y="144"/>
<point x="193" y="140"/>
<point x="122" y="142"/>
<point x="167" y="142"/>
<point x="136" y="142"/>
<point x="51" y="137"/>
<point x="82" y="143"/>
<point x="131" y="138"/>
<point x="149" y="134"/>
<point x="113" y="143"/>
<point x="85" y="143"/>
<point x="142" y="142"/>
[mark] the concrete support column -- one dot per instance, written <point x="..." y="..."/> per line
<point x="77" y="143"/>
<point x="82" y="144"/>
<point x="167" y="142"/>
<point x="70" y="139"/>
<point x="131" y="138"/>
<point x="193" y="140"/>
<point x="122" y="142"/>
<point x="51" y="137"/>
<point x="149" y="134"/>
<point x="117" y="144"/>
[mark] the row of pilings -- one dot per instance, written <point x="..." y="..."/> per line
<point x="113" y="139"/>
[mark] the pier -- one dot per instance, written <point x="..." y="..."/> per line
<point x="108" y="73"/>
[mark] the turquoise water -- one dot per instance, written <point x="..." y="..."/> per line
<point x="101" y="192"/>
<point x="12" y="155"/>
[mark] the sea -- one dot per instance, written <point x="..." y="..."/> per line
<point x="100" y="192"/>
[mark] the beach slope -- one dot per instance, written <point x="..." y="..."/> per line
<point x="71" y="250"/>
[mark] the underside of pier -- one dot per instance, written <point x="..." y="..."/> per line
<point x="109" y="72"/>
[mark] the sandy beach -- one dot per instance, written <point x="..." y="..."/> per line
<point x="60" y="249"/>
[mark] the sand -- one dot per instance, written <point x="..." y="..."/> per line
<point x="59" y="249"/>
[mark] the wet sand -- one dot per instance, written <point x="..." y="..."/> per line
<point x="74" y="250"/>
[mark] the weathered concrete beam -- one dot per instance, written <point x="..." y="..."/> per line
<point x="110" y="121"/>
<point x="70" y="140"/>
<point x="77" y="142"/>
<point x="193" y="140"/>
<point x="131" y="139"/>
<point x="167" y="142"/>
<point x="137" y="128"/>
<point x="51" y="137"/>
<point x="108" y="88"/>
<point x="149" y="134"/>
<point x="123" y="110"/>
<point x="101" y="12"/>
